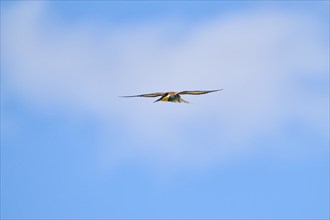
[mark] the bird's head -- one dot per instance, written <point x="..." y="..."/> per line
<point x="164" y="98"/>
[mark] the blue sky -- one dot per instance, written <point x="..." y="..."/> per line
<point x="71" y="148"/>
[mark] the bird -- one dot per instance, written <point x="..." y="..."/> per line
<point x="172" y="96"/>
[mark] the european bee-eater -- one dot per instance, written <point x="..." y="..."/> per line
<point x="173" y="96"/>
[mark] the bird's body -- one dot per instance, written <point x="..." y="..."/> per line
<point x="173" y="96"/>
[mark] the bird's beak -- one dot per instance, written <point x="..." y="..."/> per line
<point x="159" y="99"/>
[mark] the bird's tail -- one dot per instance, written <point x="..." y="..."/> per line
<point x="182" y="100"/>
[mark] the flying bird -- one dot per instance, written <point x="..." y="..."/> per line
<point x="172" y="96"/>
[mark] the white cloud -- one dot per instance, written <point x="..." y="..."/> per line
<point x="255" y="57"/>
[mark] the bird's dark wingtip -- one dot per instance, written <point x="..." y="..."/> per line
<point x="129" y="96"/>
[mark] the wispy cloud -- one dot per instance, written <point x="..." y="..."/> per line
<point x="261" y="59"/>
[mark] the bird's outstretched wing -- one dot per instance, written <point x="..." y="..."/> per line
<point x="197" y="92"/>
<point x="150" y="95"/>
